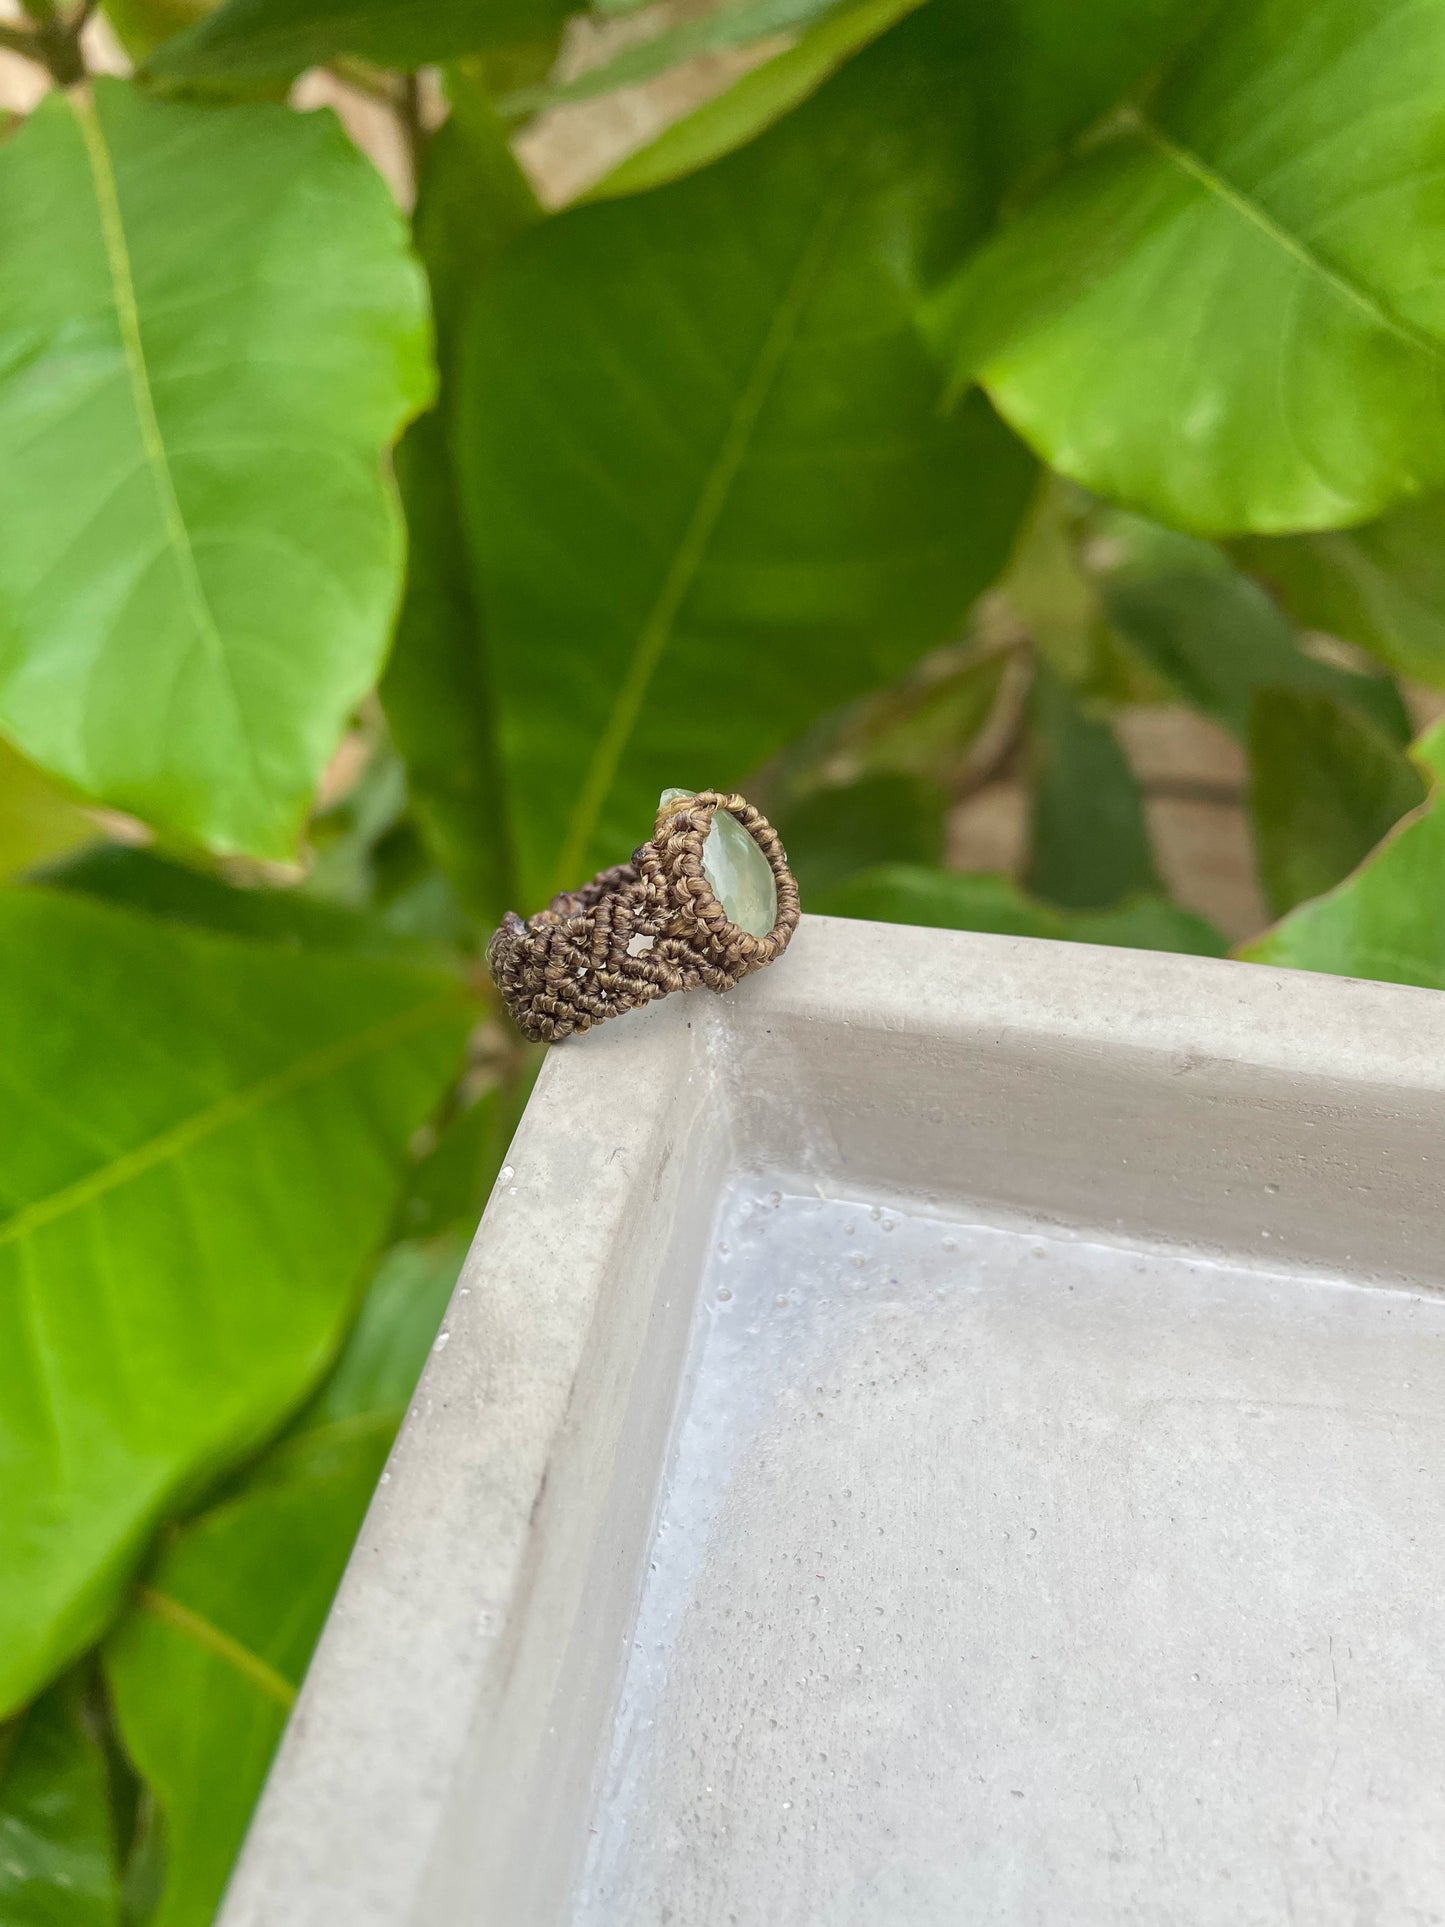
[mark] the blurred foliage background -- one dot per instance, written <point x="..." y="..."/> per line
<point x="1005" y="440"/>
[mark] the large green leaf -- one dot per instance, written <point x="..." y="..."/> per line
<point x="1088" y="838"/>
<point x="141" y="880"/>
<point x="385" y="1350"/>
<point x="205" y="1138"/>
<point x="1381" y="586"/>
<point x="734" y="24"/>
<point x="1230" y="313"/>
<point x="1041" y="74"/>
<point x="1050" y="591"/>
<point x="437" y="690"/>
<point x="58" y="1864"/>
<point x="1388" y="919"/>
<point x="945" y="900"/>
<point x="448" y="1186"/>
<point x="716" y="497"/>
<point x="1032" y="81"/>
<point x="1325" y="787"/>
<point x="141" y="25"/>
<point x="929" y="726"/>
<point x="38" y="821"/>
<point x="259" y="40"/>
<point x="763" y="95"/>
<point x="1215" y="635"/>
<point x="836" y="832"/>
<point x="209" y="330"/>
<point x="206" y="1664"/>
<point x="473" y="200"/>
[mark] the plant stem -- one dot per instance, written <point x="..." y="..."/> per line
<point x="54" y="42"/>
<point x="998" y="742"/>
<point x="1195" y="789"/>
<point x="363" y="78"/>
<point x="413" y="125"/>
<point x="16" y="40"/>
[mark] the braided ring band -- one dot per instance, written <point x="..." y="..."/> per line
<point x="640" y="930"/>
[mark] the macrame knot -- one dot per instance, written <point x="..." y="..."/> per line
<point x="639" y="930"/>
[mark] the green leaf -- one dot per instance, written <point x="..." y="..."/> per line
<point x="205" y="1665"/>
<point x="1038" y="81"/>
<point x="38" y="821"/>
<point x="1088" y="839"/>
<point x="836" y="832"/>
<point x="252" y="40"/>
<point x="382" y="1359"/>
<point x="1215" y="635"/>
<point x="716" y="498"/>
<point x="1381" y="586"/>
<point x="734" y="24"/>
<point x="1049" y="590"/>
<point x="497" y="71"/>
<point x="762" y="96"/>
<point x="1031" y="82"/>
<point x="141" y="880"/>
<point x="141" y="25"/>
<point x="438" y="692"/>
<point x="916" y="742"/>
<point x="1388" y="919"/>
<point x="447" y="1188"/>
<point x="1325" y="787"/>
<point x="930" y="726"/>
<point x="473" y="200"/>
<point x="205" y="1141"/>
<point x="344" y="838"/>
<point x="57" y="1837"/>
<point x="943" y="900"/>
<point x="209" y="330"/>
<point x="1229" y="314"/>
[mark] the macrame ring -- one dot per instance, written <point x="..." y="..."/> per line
<point x="640" y="930"/>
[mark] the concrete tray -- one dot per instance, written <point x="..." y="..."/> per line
<point x="948" y="1433"/>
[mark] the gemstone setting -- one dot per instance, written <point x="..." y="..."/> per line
<point x="739" y="875"/>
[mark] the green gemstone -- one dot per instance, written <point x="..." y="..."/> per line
<point x="741" y="877"/>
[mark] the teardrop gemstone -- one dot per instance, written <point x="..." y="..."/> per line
<point x="741" y="877"/>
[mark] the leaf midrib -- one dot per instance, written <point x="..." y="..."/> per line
<point x="657" y="630"/>
<point x="190" y="1131"/>
<point x="153" y="447"/>
<point x="204" y="1632"/>
<point x="1223" y="189"/>
<point x="221" y="1645"/>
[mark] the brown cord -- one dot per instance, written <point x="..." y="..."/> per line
<point x="573" y="964"/>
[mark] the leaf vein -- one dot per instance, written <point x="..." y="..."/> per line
<point x="1215" y="183"/>
<point x="657" y="630"/>
<point x="230" y="1109"/>
<point x="117" y="254"/>
<point x="205" y="1633"/>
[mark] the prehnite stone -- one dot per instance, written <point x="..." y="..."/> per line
<point x="741" y="877"/>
